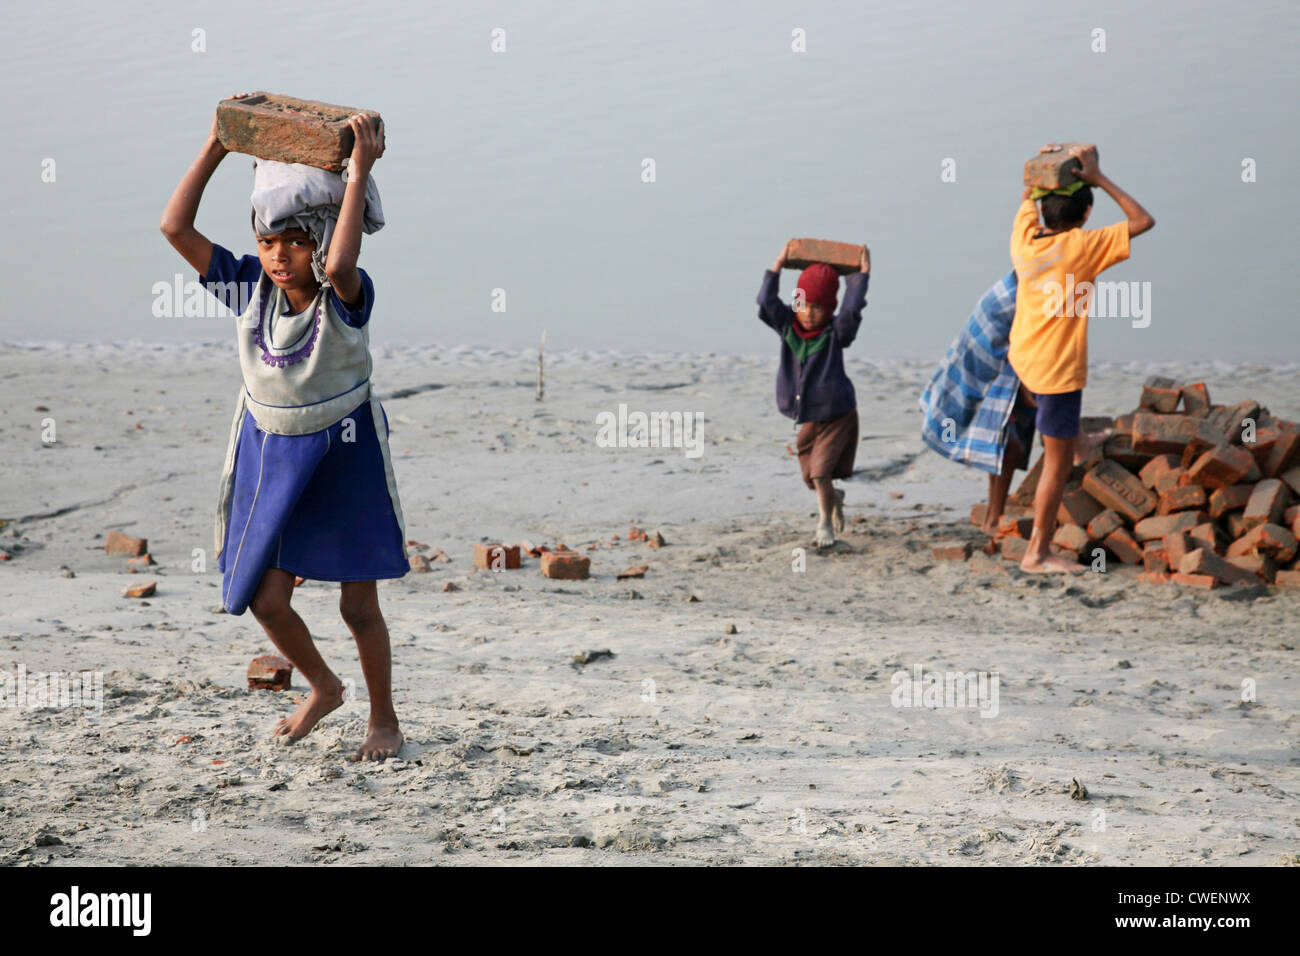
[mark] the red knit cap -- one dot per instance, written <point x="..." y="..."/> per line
<point x="820" y="284"/>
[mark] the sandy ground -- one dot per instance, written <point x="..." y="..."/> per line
<point x="753" y="725"/>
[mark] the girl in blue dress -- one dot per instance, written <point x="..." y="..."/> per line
<point x="308" y="487"/>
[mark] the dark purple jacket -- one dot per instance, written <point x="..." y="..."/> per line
<point x="817" y="389"/>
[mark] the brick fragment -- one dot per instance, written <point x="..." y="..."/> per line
<point x="1205" y="561"/>
<point x="655" y="539"/>
<point x="1181" y="499"/>
<point x="1071" y="537"/>
<point x="1176" y="545"/>
<point x="637" y="572"/>
<point x="565" y="565"/>
<point x="843" y="257"/>
<point x="143" y="561"/>
<point x="1202" y="581"/>
<point x="1196" y="399"/>
<point x="1222" y="467"/>
<point x="115" y="542"/>
<point x="1154" y="556"/>
<point x="1167" y="434"/>
<point x="288" y="130"/>
<point x="1119" y="489"/>
<point x="1024" y="494"/>
<point x="1234" y="523"/>
<point x="1287" y="579"/>
<point x="978" y="514"/>
<point x="496" y="556"/>
<point x="450" y="586"/>
<point x="1013" y="549"/>
<point x="1271" y="539"/>
<point x="419" y="564"/>
<point x="1121" y="544"/>
<point x="1208" y="535"/>
<point x="1283" y="454"/>
<point x="1160" y="394"/>
<point x="142" y="590"/>
<point x="1015" y="526"/>
<point x="1291" y="478"/>
<point x="1260" y="565"/>
<point x="1266" y="504"/>
<point x="530" y="549"/>
<point x="1119" y="448"/>
<point x="1104" y="524"/>
<point x="1078" y="507"/>
<point x="269" y="672"/>
<point x="1223" y="500"/>
<point x="1169" y="480"/>
<point x="1158" y="526"/>
<point x="1156" y="467"/>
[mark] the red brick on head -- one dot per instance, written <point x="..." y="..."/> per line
<point x="820" y="284"/>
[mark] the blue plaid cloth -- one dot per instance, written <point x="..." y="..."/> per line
<point x="969" y="399"/>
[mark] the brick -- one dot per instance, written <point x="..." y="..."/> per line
<point x="1160" y="394"/>
<point x="1205" y="561"/>
<point x="1121" y="544"/>
<point x="530" y="549"/>
<point x="1196" y="399"/>
<point x="1119" y="489"/>
<point x="1156" y="467"/>
<point x="419" y="563"/>
<point x="1260" y="565"/>
<point x="1170" y="434"/>
<point x="1282" y="454"/>
<point x="1203" y="581"/>
<point x="655" y="540"/>
<point x="1015" y="527"/>
<point x="1119" y="448"/>
<point x="1223" y="500"/>
<point x="1271" y="539"/>
<point x="1071" y="537"/>
<point x="288" y="130"/>
<point x="1092" y="424"/>
<point x="115" y="542"/>
<point x="1154" y="556"/>
<point x="1052" y="170"/>
<point x="565" y="565"/>
<point x="1158" y="526"/>
<point x="1154" y="577"/>
<point x="1024" y="494"/>
<point x="843" y="257"/>
<point x="1077" y="507"/>
<point x="1291" y="478"/>
<point x="1234" y="523"/>
<point x="1208" y="535"/>
<point x="143" y="561"/>
<point x="1104" y="524"/>
<point x="635" y="534"/>
<point x="496" y="556"/>
<point x="1124" y="423"/>
<point x="1013" y="549"/>
<point x="1287" y="579"/>
<point x="1267" y="503"/>
<point x="450" y="586"/>
<point x="1175" y="546"/>
<point x="1263" y="444"/>
<point x="640" y="570"/>
<point x="1181" y="499"/>
<point x="1222" y="466"/>
<point x="1236" y="417"/>
<point x="142" y="590"/>
<point x="1169" y="480"/>
<point x="269" y="672"/>
<point x="957" y="551"/>
<point x="1290" y="514"/>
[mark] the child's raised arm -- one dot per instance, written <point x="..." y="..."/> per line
<point x="178" y="218"/>
<point x="345" y="246"/>
<point x="1139" y="220"/>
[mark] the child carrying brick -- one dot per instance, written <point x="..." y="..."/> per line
<point x="975" y="410"/>
<point x="308" y="487"/>
<point x="811" y="385"/>
<point x="1049" y="336"/>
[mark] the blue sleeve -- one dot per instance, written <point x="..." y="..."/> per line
<point x="771" y="309"/>
<point x="849" y="317"/>
<point x="231" y="281"/>
<point x="358" y="314"/>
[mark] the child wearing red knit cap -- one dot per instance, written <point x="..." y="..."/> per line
<point x="811" y="385"/>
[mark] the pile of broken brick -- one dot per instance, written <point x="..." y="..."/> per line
<point x="1198" y="494"/>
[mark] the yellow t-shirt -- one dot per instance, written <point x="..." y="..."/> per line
<point x="1049" y="335"/>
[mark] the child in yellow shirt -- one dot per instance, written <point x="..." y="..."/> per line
<point x="1049" y="334"/>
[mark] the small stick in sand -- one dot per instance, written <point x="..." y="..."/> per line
<point x="540" y="346"/>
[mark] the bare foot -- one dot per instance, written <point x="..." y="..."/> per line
<point x="383" y="741"/>
<point x="990" y="527"/>
<point x="824" y="537"/>
<point x="1051" y="564"/>
<point x="837" y="513"/>
<point x="319" y="703"/>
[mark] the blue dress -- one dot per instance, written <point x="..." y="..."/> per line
<point x="322" y="505"/>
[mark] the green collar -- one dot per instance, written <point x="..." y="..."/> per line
<point x="804" y="349"/>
